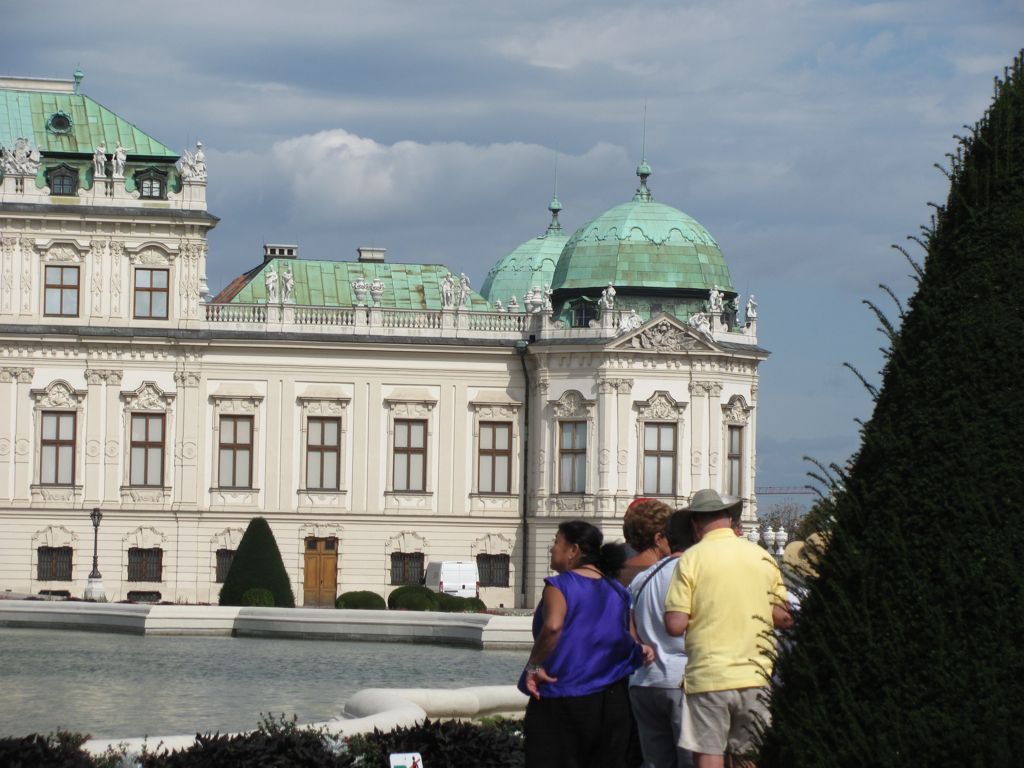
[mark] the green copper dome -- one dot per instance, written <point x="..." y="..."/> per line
<point x="530" y="265"/>
<point x="641" y="245"/>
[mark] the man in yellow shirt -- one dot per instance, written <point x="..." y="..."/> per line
<point x="725" y="595"/>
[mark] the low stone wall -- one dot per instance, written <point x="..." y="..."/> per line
<point x="474" y="630"/>
<point x="381" y="708"/>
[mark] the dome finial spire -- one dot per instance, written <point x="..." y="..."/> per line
<point x="643" y="194"/>
<point x="555" y="206"/>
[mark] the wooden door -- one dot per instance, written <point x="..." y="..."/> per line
<point x="320" y="584"/>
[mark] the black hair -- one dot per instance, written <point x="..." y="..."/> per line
<point x="679" y="532"/>
<point x="609" y="558"/>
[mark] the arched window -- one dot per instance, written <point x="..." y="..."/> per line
<point x="151" y="183"/>
<point x="63" y="180"/>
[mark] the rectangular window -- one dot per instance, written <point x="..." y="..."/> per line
<point x="410" y="469"/>
<point x="151" y="294"/>
<point x="235" y="452"/>
<point x="494" y="466"/>
<point x="147" y="449"/>
<point x="54" y="564"/>
<point x="323" y="453"/>
<point x="145" y="564"/>
<point x="493" y="570"/>
<point x="572" y="456"/>
<point x="406" y="567"/>
<point x="57" y="448"/>
<point x="60" y="297"/>
<point x="734" y="461"/>
<point x="659" y="459"/>
<point x="224" y="558"/>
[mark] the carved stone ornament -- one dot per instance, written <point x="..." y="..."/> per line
<point x="665" y="337"/>
<point x="572" y="405"/>
<point x="409" y="500"/>
<point x="145" y="495"/>
<point x="406" y="541"/>
<point x="20" y="375"/>
<point x="661" y="406"/>
<point x="569" y="503"/>
<point x="491" y="544"/>
<point x="243" y="405"/>
<point x="401" y="409"/>
<point x="186" y="378"/>
<point x="5" y="446"/>
<point x="54" y="536"/>
<point x="62" y="253"/>
<point x="736" y="410"/>
<point x="144" y="537"/>
<point x="625" y="386"/>
<point x="59" y="394"/>
<point x="148" y="397"/>
<point x="323" y="407"/>
<point x="504" y="412"/>
<point x="151" y="257"/>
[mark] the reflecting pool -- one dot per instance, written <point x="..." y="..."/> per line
<point x="116" y="686"/>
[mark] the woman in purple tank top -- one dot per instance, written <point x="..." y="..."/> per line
<point x="584" y="650"/>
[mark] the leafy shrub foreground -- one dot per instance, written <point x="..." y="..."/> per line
<point x="413" y="598"/>
<point x="498" y="743"/>
<point x="456" y="604"/>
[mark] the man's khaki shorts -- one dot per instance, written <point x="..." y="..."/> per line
<point x="717" y="722"/>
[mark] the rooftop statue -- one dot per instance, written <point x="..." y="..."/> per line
<point x="630" y="321"/>
<point x="287" y="284"/>
<point x="448" y="291"/>
<point x="270" y="279"/>
<point x="23" y="160"/>
<point x="607" y="300"/>
<point x="359" y="288"/>
<point x="715" y="304"/>
<point x="376" y="290"/>
<point x="192" y="165"/>
<point x="462" y="300"/>
<point x="700" y="322"/>
<point x="751" y="308"/>
<point x="120" y="157"/>
<point x="99" y="161"/>
<point x="513" y="305"/>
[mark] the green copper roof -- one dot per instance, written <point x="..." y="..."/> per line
<point x="642" y="244"/>
<point x="329" y="284"/>
<point x="530" y="265"/>
<point x="29" y="114"/>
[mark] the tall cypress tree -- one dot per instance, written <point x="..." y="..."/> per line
<point x="257" y="564"/>
<point x="907" y="650"/>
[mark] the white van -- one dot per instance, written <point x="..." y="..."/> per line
<point x="453" y="577"/>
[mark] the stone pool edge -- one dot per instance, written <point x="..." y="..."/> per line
<point x="473" y="630"/>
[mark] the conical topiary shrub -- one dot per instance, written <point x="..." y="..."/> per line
<point x="906" y="651"/>
<point x="257" y="564"/>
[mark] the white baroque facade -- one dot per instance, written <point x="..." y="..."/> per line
<point x="373" y="436"/>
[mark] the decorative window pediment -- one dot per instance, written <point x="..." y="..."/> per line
<point x="144" y="537"/>
<point x="57" y="395"/>
<point x="491" y="544"/>
<point x="54" y="536"/>
<point x="147" y="397"/>
<point x="736" y="411"/>
<point x="660" y="406"/>
<point x="572" y="405"/>
<point x="406" y="541"/>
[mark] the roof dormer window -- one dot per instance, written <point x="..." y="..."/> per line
<point x="62" y="180"/>
<point x="152" y="184"/>
<point x="59" y="123"/>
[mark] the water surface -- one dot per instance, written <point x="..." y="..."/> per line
<point x="116" y="686"/>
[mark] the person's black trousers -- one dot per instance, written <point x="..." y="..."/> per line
<point x="589" y="731"/>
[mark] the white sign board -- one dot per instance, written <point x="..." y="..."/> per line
<point x="406" y="760"/>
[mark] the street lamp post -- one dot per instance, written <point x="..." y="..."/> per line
<point x="94" y="588"/>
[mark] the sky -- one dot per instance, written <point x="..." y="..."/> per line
<point x="803" y="134"/>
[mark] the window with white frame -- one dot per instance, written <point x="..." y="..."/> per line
<point x="410" y="455"/>
<point x="323" y="453"/>
<point x="494" y="459"/>
<point x="572" y="456"/>
<point x="147" y="449"/>
<point x="735" y="417"/>
<point x="659" y="459"/>
<point x="235" y="452"/>
<point x="659" y="425"/>
<point x="57" y="448"/>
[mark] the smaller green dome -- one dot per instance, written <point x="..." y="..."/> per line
<point x="530" y="265"/>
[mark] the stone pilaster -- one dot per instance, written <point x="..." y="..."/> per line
<point x="190" y="417"/>
<point x="606" y="443"/>
<point x="715" y="437"/>
<point x="24" y="414"/>
<point x="625" y="390"/>
<point x="114" y="431"/>
<point x="91" y="437"/>
<point x="698" y="435"/>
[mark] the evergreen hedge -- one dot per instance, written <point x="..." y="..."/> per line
<point x="257" y="564"/>
<point x="413" y="597"/>
<point x="258" y="596"/>
<point x="906" y="651"/>
<point x="361" y="599"/>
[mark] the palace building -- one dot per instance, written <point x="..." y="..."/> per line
<point x="379" y="415"/>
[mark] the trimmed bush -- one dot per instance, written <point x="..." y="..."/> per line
<point x="361" y="600"/>
<point x="257" y="563"/>
<point x="456" y="604"/>
<point x="413" y="598"/>
<point x="449" y="743"/>
<point x="258" y="596"/>
<point x="906" y="647"/>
